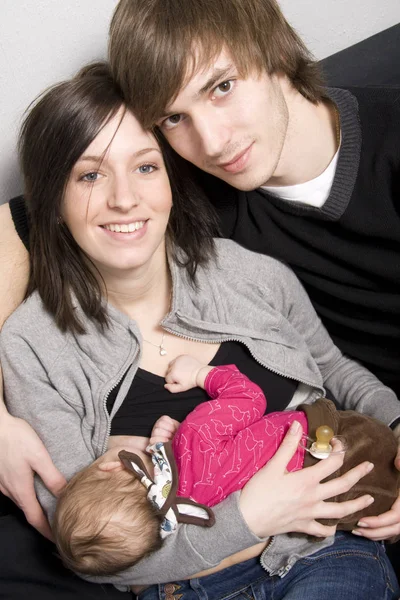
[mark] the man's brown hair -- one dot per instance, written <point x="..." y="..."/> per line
<point x="104" y="522"/>
<point x="153" y="46"/>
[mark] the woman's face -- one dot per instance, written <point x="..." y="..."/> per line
<point x="118" y="198"/>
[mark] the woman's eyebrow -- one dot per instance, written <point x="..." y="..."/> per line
<point x="102" y="158"/>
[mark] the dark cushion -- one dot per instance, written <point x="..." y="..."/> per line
<point x="374" y="61"/>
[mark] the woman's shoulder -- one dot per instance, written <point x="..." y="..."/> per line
<point x="32" y="322"/>
<point x="232" y="256"/>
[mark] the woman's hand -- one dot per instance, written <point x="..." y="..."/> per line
<point x="22" y="455"/>
<point x="274" y="501"/>
<point x="387" y="525"/>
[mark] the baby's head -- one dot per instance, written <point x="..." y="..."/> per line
<point x="104" y="522"/>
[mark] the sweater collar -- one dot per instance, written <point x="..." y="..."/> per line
<point x="347" y="166"/>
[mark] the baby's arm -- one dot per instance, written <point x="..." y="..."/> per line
<point x="226" y="385"/>
<point x="185" y="373"/>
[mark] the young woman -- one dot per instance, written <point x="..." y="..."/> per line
<point x="126" y="276"/>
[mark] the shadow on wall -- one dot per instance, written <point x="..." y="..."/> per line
<point x="11" y="179"/>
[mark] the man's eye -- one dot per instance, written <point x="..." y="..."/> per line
<point x="174" y="119"/>
<point x="147" y="168"/>
<point x="171" y="122"/>
<point x="223" y="88"/>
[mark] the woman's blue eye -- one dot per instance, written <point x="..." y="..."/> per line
<point x="90" y="177"/>
<point x="146" y="169"/>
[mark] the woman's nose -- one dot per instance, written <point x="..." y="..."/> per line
<point x="123" y="196"/>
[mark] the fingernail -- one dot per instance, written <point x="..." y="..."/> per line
<point x="370" y="467"/>
<point x="362" y="524"/>
<point x="294" y="428"/>
<point x="354" y="532"/>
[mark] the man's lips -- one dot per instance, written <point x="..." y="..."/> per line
<point x="239" y="162"/>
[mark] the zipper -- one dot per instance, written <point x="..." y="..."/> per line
<point x="267" y="547"/>
<point x="104" y="448"/>
<point x="240" y="341"/>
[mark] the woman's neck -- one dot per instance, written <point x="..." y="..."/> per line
<point x="142" y="294"/>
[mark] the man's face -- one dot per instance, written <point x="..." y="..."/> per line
<point x="231" y="127"/>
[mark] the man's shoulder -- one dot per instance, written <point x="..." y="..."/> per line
<point x="379" y="115"/>
<point x="378" y="104"/>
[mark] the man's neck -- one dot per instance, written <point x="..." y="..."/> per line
<point x="311" y="139"/>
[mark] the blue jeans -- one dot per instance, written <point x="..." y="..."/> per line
<point x="353" y="568"/>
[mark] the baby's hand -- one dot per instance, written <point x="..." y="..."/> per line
<point x="164" y="430"/>
<point x="184" y="373"/>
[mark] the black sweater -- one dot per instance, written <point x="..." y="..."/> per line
<point x="347" y="253"/>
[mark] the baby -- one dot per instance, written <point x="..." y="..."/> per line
<point x="115" y="512"/>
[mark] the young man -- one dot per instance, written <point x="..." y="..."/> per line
<point x="309" y="174"/>
<point x="295" y="170"/>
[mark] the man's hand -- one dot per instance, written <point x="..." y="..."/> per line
<point x="386" y="525"/>
<point x="164" y="430"/>
<point x="22" y="454"/>
<point x="274" y="501"/>
<point x="185" y="373"/>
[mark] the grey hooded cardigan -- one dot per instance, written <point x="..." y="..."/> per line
<point x="59" y="383"/>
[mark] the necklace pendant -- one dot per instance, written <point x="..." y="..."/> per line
<point x="163" y="351"/>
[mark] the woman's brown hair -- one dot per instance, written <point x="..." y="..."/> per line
<point x="59" y="127"/>
<point x="153" y="46"/>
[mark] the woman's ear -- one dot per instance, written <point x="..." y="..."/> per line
<point x="115" y="465"/>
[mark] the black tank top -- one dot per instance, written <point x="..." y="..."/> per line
<point x="147" y="399"/>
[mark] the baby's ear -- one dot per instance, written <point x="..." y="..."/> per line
<point x="115" y="465"/>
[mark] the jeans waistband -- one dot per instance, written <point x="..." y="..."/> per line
<point x="228" y="581"/>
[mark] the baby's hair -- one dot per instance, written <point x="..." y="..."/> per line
<point x="104" y="522"/>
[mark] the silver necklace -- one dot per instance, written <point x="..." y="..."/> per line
<point x="163" y="351"/>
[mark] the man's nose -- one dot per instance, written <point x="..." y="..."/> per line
<point x="212" y="134"/>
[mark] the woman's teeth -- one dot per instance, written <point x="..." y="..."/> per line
<point x="125" y="228"/>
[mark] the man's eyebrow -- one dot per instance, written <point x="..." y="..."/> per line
<point x="217" y="75"/>
<point x="103" y="157"/>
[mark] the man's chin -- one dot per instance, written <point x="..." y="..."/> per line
<point x="245" y="182"/>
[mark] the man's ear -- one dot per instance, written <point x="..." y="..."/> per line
<point x="114" y="465"/>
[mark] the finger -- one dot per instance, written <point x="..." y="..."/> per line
<point x="317" y="529"/>
<point x="168" y="377"/>
<point x="288" y="448"/>
<point x="173" y="387"/>
<point x="339" y="510"/>
<point x="156" y="439"/>
<point x="380" y="533"/>
<point x="397" y="460"/>
<point x="387" y="519"/>
<point x="345" y="482"/>
<point x="161" y="433"/>
<point x="41" y="524"/>
<point x="50" y="475"/>
<point x="326" y="467"/>
<point x="110" y="466"/>
<point x="166" y="423"/>
<point x="34" y="514"/>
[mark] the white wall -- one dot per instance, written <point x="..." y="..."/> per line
<point x="44" y="41"/>
<point x="328" y="26"/>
